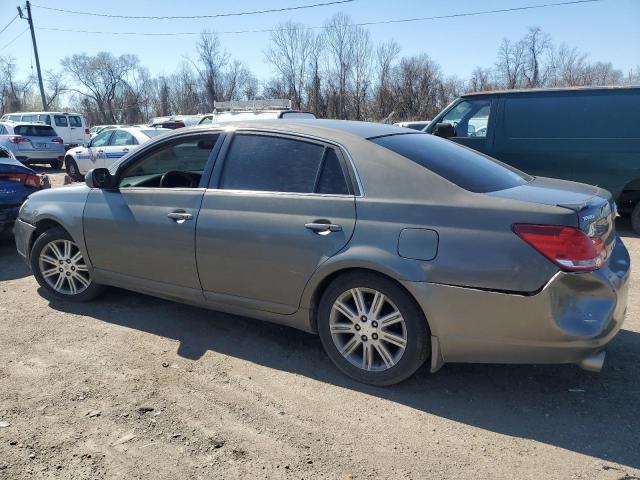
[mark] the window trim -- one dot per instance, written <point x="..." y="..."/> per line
<point x="346" y="163"/>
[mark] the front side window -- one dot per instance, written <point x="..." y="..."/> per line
<point x="121" y="138"/>
<point x="75" y="121"/>
<point x="101" y="140"/>
<point x="470" y="118"/>
<point x="178" y="163"/>
<point x="60" y="120"/>
<point x="277" y="164"/>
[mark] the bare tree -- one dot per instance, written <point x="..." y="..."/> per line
<point x="361" y="71"/>
<point x="212" y="61"/>
<point x="315" y="97"/>
<point x="291" y="48"/>
<point x="481" y="80"/>
<point x="55" y="86"/>
<point x="99" y="77"/>
<point x="535" y="43"/>
<point x="338" y="39"/>
<point x="511" y="63"/>
<point x="386" y="55"/>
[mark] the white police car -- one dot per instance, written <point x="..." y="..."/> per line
<point x="107" y="147"/>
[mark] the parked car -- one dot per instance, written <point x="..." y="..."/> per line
<point x="32" y="143"/>
<point x="17" y="182"/>
<point x="107" y="147"/>
<point x="96" y="129"/>
<point x="71" y="127"/>
<point x="583" y="134"/>
<point x="176" y="121"/>
<point x="414" y="125"/>
<point x="454" y="257"/>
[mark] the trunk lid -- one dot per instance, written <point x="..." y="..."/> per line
<point x="594" y="206"/>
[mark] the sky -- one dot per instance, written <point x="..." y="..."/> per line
<point x="608" y="30"/>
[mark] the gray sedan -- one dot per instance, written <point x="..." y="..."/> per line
<point x="396" y="247"/>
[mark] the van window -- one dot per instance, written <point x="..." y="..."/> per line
<point x="577" y="115"/>
<point x="14" y="118"/>
<point x="75" y="121"/>
<point x="29" y="118"/>
<point x="61" y="121"/>
<point x="45" y="118"/>
<point x="467" y="168"/>
<point x="470" y="118"/>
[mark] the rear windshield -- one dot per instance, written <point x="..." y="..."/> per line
<point x="466" y="168"/>
<point x="34" y="130"/>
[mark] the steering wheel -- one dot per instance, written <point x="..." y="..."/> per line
<point x="176" y="178"/>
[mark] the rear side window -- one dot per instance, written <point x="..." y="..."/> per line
<point x="34" y="130"/>
<point x="577" y="115"/>
<point x="45" y="118"/>
<point x="466" y="168"/>
<point x="277" y="164"/>
<point x="29" y="118"/>
<point x="60" y="121"/>
<point x="75" y="121"/>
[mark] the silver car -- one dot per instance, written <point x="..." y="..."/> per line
<point x="395" y="246"/>
<point x="32" y="143"/>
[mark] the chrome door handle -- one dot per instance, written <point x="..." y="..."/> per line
<point x="323" y="227"/>
<point x="100" y="151"/>
<point x="180" y="217"/>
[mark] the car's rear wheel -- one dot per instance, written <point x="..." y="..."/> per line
<point x="56" y="165"/>
<point x="72" y="169"/>
<point x="372" y="329"/>
<point x="60" y="268"/>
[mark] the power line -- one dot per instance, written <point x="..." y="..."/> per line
<point x="10" y="22"/>
<point x="381" y="22"/>
<point x="179" y="17"/>
<point x="14" y="39"/>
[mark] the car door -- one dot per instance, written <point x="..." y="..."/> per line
<point x="95" y="154"/>
<point x="141" y="234"/>
<point x="120" y="144"/>
<point x="61" y="126"/>
<point x="76" y="130"/>
<point x="276" y="208"/>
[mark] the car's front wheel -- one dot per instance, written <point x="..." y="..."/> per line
<point x="372" y="329"/>
<point x="60" y="268"/>
<point x="72" y="169"/>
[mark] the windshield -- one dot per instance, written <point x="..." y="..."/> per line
<point x="466" y="168"/>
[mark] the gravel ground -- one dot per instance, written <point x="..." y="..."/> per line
<point x="134" y="387"/>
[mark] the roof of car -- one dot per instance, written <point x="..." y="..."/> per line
<point x="316" y="127"/>
<point x="543" y="90"/>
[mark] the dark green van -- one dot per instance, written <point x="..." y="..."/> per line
<point x="588" y="135"/>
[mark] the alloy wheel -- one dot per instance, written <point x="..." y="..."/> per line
<point x="368" y="329"/>
<point x="63" y="267"/>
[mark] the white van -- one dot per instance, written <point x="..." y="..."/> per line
<point x="71" y="127"/>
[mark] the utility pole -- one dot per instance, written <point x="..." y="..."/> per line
<point x="35" y="51"/>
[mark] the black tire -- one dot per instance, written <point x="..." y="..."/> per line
<point x="72" y="169"/>
<point x="418" y="345"/>
<point x="635" y="218"/>
<point x="57" y="165"/>
<point x="58" y="233"/>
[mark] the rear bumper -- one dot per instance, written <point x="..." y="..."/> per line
<point x="23" y="232"/>
<point x="33" y="156"/>
<point x="573" y="317"/>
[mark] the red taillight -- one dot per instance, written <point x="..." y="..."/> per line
<point x="58" y="140"/>
<point x="19" y="139"/>
<point x="29" y="180"/>
<point x="568" y="247"/>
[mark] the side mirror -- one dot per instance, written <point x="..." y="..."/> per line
<point x="444" y="130"/>
<point x="99" y="178"/>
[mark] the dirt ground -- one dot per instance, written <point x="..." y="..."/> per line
<point x="130" y="386"/>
